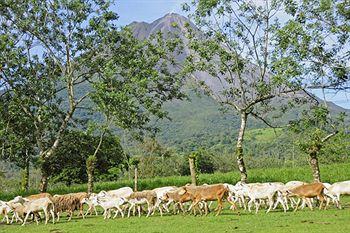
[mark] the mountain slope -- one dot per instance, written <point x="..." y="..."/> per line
<point x="200" y="123"/>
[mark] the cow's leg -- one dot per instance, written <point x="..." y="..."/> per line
<point x="270" y="204"/>
<point x="338" y="198"/>
<point x="52" y="215"/>
<point x="219" y="205"/>
<point x="81" y="211"/>
<point x="257" y="205"/>
<point x="36" y="220"/>
<point x="89" y="211"/>
<point x="243" y="202"/>
<point x="308" y="201"/>
<point x="297" y="205"/>
<point x="250" y="204"/>
<point x="139" y="210"/>
<point x="7" y="218"/>
<point x="194" y="204"/>
<point x="161" y="210"/>
<point x="25" y="219"/>
<point x="121" y="211"/>
<point x="321" y="198"/>
<point x="96" y="213"/>
<point x="151" y="208"/>
<point x="131" y="206"/>
<point x="46" y="215"/>
<point x="70" y="215"/>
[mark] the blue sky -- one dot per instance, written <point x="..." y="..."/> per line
<point x="150" y="10"/>
<point x="145" y="10"/>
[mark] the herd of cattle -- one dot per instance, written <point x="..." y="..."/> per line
<point x="296" y="194"/>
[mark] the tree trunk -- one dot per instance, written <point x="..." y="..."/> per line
<point x="135" y="178"/>
<point x="193" y="171"/>
<point x="90" y="167"/>
<point x="91" y="162"/>
<point x="314" y="167"/>
<point x="239" y="148"/>
<point x="25" y="175"/>
<point x="43" y="182"/>
<point x="44" y="176"/>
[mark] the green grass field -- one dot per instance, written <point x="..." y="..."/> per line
<point x="331" y="220"/>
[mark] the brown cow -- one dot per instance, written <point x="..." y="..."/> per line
<point x="205" y="193"/>
<point x="308" y="191"/>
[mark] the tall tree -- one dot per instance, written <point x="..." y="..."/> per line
<point x="314" y="130"/>
<point x="317" y="36"/>
<point x="51" y="48"/>
<point x="237" y="50"/>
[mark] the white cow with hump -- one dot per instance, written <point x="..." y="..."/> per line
<point x="257" y="193"/>
<point x="339" y="188"/>
<point x="263" y="191"/>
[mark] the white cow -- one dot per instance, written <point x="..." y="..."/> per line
<point x="236" y="193"/>
<point x="265" y="191"/>
<point x="339" y="188"/>
<point x="329" y="196"/>
<point x="91" y="201"/>
<point x="110" y="203"/>
<point x="160" y="192"/>
<point x="32" y="206"/>
<point x="122" y="192"/>
<point x="259" y="192"/>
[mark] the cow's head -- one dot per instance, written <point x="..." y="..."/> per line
<point x="165" y="197"/>
<point x="288" y="193"/>
<point x="182" y="191"/>
<point x="19" y="199"/>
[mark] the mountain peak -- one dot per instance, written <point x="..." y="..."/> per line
<point x="168" y="23"/>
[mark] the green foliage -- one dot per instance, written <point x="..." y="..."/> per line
<point x="76" y="152"/>
<point x="317" y="39"/>
<point x="137" y="81"/>
<point x="313" y="127"/>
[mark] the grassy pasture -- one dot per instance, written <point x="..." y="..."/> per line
<point x="330" y="220"/>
